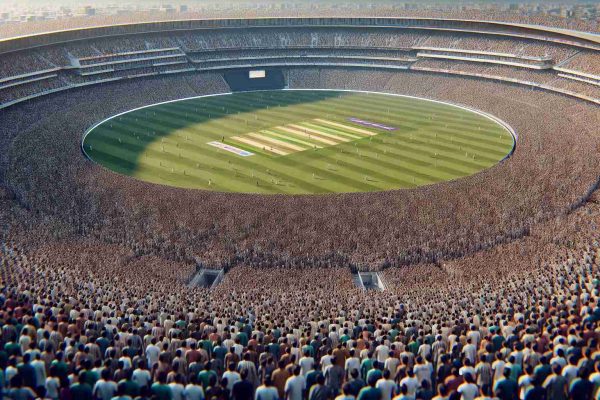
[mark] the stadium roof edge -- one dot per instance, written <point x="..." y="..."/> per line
<point x="39" y="39"/>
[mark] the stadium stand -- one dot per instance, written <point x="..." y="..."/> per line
<point x="68" y="64"/>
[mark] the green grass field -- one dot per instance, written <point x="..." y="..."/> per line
<point x="298" y="142"/>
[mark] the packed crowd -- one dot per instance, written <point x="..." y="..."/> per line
<point x="551" y="173"/>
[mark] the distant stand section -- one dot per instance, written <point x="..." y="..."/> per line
<point x="240" y="80"/>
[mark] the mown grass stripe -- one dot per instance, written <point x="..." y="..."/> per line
<point x="259" y="144"/>
<point x="333" y="131"/>
<point x="275" y="142"/>
<point x="346" y="127"/>
<point x="311" y="136"/>
<point x="318" y="132"/>
<point x="291" y="139"/>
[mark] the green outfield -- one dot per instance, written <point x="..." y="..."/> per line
<point x="298" y="142"/>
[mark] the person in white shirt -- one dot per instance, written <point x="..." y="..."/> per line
<point x="334" y="337"/>
<point x="306" y="363"/>
<point x="559" y="359"/>
<point x="40" y="370"/>
<point x="386" y="385"/>
<point x="193" y="391"/>
<point x="326" y="359"/>
<point x="105" y="389"/>
<point x="498" y="367"/>
<point x="10" y="371"/>
<point x="470" y="351"/>
<point x="423" y="370"/>
<point x="468" y="390"/>
<point x="232" y="376"/>
<point x="52" y="384"/>
<point x="424" y="350"/>
<point x="570" y="371"/>
<point x="152" y="353"/>
<point x="295" y="386"/>
<point x="467" y="369"/>
<point x="525" y="382"/>
<point x="474" y="335"/>
<point x="266" y="391"/>
<point x="177" y="388"/>
<point x="352" y="363"/>
<point x="411" y="383"/>
<point x="142" y="376"/>
<point x="382" y="352"/>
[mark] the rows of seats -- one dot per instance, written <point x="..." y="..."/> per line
<point x="98" y="60"/>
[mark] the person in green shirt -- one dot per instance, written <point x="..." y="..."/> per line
<point x="62" y="368"/>
<point x="307" y="348"/>
<point x="243" y="338"/>
<point x="103" y="342"/>
<point x="219" y="351"/>
<point x="128" y="387"/>
<point x="274" y="349"/>
<point x="414" y="345"/>
<point x="345" y="337"/>
<point x="497" y="340"/>
<point x="160" y="390"/>
<point x="315" y="344"/>
<point x="208" y="346"/>
<point x="12" y="349"/>
<point x="374" y="373"/>
<point x="370" y="392"/>
<point x="311" y="378"/>
<point x="276" y="333"/>
<point x="365" y="366"/>
<point x="81" y="390"/>
<point x="205" y="374"/>
<point x="506" y="388"/>
<point x="90" y="377"/>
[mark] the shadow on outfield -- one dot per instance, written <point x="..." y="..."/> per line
<point x="119" y="143"/>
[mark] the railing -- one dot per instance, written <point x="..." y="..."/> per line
<point x="483" y="60"/>
<point x="576" y="72"/>
<point x="26" y="81"/>
<point x="484" y="53"/>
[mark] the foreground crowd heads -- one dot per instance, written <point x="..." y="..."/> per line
<point x="83" y="319"/>
<point x="300" y="334"/>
